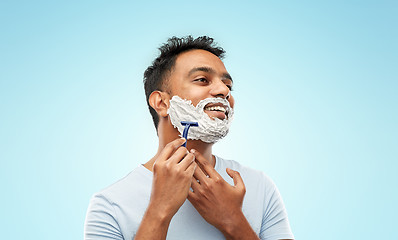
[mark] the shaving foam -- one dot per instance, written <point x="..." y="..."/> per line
<point x="210" y="130"/>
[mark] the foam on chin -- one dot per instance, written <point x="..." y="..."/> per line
<point x="209" y="130"/>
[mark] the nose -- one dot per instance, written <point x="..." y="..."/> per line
<point x="219" y="89"/>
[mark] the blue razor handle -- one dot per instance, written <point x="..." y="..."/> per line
<point x="186" y="129"/>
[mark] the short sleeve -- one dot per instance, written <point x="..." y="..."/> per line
<point x="101" y="220"/>
<point x="275" y="224"/>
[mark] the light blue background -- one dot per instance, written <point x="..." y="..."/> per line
<point x="316" y="106"/>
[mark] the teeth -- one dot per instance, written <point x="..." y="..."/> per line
<point x="216" y="108"/>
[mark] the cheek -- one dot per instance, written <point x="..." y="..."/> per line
<point x="231" y="101"/>
<point x="194" y="94"/>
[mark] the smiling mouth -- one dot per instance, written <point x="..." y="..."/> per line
<point x="217" y="110"/>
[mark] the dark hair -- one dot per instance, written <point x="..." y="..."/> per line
<point x="155" y="75"/>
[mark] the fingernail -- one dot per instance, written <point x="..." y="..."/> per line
<point x="183" y="139"/>
<point x="193" y="150"/>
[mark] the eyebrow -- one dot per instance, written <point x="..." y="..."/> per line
<point x="225" y="76"/>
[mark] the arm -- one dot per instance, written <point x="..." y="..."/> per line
<point x="172" y="174"/>
<point x="219" y="203"/>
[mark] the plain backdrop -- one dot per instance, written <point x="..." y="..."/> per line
<point x="316" y="106"/>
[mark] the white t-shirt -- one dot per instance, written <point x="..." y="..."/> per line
<point x="116" y="211"/>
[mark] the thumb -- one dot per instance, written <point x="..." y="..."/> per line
<point x="235" y="175"/>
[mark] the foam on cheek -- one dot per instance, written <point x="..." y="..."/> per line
<point x="209" y="130"/>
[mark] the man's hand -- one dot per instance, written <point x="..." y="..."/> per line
<point x="172" y="174"/>
<point x="219" y="203"/>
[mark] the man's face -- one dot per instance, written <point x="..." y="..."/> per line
<point x="199" y="74"/>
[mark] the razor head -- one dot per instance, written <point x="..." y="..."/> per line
<point x="193" y="124"/>
<point x="186" y="129"/>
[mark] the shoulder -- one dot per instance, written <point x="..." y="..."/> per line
<point x="133" y="183"/>
<point x="106" y="214"/>
<point x="263" y="205"/>
<point x="119" y="207"/>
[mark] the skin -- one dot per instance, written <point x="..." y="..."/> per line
<point x="197" y="75"/>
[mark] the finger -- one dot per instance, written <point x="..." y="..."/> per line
<point x="205" y="165"/>
<point x="170" y="148"/>
<point x="191" y="196"/>
<point x="191" y="169"/>
<point x="201" y="167"/>
<point x="179" y="154"/>
<point x="194" y="189"/>
<point x="195" y="185"/>
<point x="187" y="161"/>
<point x="200" y="175"/>
<point x="238" y="181"/>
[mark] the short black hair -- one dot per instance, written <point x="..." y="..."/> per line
<point x="156" y="74"/>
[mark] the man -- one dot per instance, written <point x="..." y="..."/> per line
<point x="187" y="192"/>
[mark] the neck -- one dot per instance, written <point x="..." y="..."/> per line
<point x="167" y="133"/>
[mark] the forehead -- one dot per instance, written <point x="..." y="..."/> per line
<point x="189" y="60"/>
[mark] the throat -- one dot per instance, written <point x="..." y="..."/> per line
<point x="205" y="149"/>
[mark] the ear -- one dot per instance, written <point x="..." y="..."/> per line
<point x="160" y="101"/>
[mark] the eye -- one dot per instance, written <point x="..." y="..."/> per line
<point x="229" y="86"/>
<point x="204" y="80"/>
